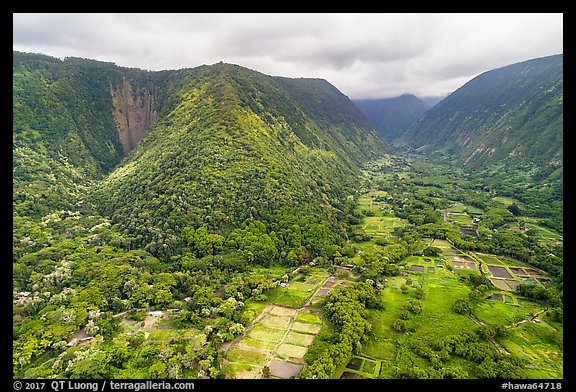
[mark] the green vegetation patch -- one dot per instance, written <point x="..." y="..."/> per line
<point x="504" y="200"/>
<point x="460" y="219"/>
<point x="253" y="309"/>
<point x="384" y="349"/>
<point x="309" y="318"/>
<point x="299" y="339"/>
<point x="441" y="243"/>
<point x="172" y="334"/>
<point x="247" y="356"/>
<point x="244" y="370"/>
<point x="266" y="333"/>
<point x="504" y="314"/>
<point x="440" y="298"/>
<point x="287" y="296"/>
<point x="474" y="210"/>
<point x="281" y="322"/>
<point x="306" y="328"/>
<point x="541" y="345"/>
<point x="302" y="286"/>
<point x="544" y="232"/>
<point x="291" y="351"/>
<point x="457" y="208"/>
<point x="489" y="259"/>
<point x="389" y="223"/>
<point x="281" y="311"/>
<point x="257" y="344"/>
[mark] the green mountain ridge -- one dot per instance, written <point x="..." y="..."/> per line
<point x="511" y="115"/>
<point x="214" y="146"/>
<point x="234" y="146"/>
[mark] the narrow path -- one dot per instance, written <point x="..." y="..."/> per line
<point x="516" y="324"/>
<point x="501" y="349"/>
<point x="307" y="302"/>
<point x="498" y="346"/>
<point x="288" y="329"/>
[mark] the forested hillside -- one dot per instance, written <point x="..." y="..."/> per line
<point x="234" y="146"/>
<point x="511" y="115"/>
<point x="230" y="146"/>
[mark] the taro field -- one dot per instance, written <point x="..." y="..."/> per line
<point x="279" y="335"/>
<point x="435" y="283"/>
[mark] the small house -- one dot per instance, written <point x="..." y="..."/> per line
<point x="155" y="313"/>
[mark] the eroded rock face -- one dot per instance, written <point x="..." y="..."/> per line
<point x="134" y="112"/>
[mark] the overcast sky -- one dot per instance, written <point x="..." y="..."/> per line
<point x="364" y="55"/>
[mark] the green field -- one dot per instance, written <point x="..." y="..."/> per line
<point x="474" y="210"/>
<point x="309" y="318"/>
<point x="457" y="208"/>
<point x="296" y="294"/>
<point x="282" y="330"/>
<point x="504" y="200"/>
<point x="541" y="345"/>
<point x="382" y="225"/>
<point x="247" y="356"/>
<point x="460" y="219"/>
<point x="546" y="232"/>
<point x="464" y="208"/>
<point x="541" y="232"/>
<point x="437" y="320"/>
<point x="387" y="350"/>
<point x="379" y="222"/>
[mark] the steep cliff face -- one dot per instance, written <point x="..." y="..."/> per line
<point x="134" y="111"/>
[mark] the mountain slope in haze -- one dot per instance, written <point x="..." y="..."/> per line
<point x="392" y="116"/>
<point x="507" y="116"/>
<point x="432" y="100"/>
<point x="233" y="146"/>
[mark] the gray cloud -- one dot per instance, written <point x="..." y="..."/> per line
<point x="363" y="55"/>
